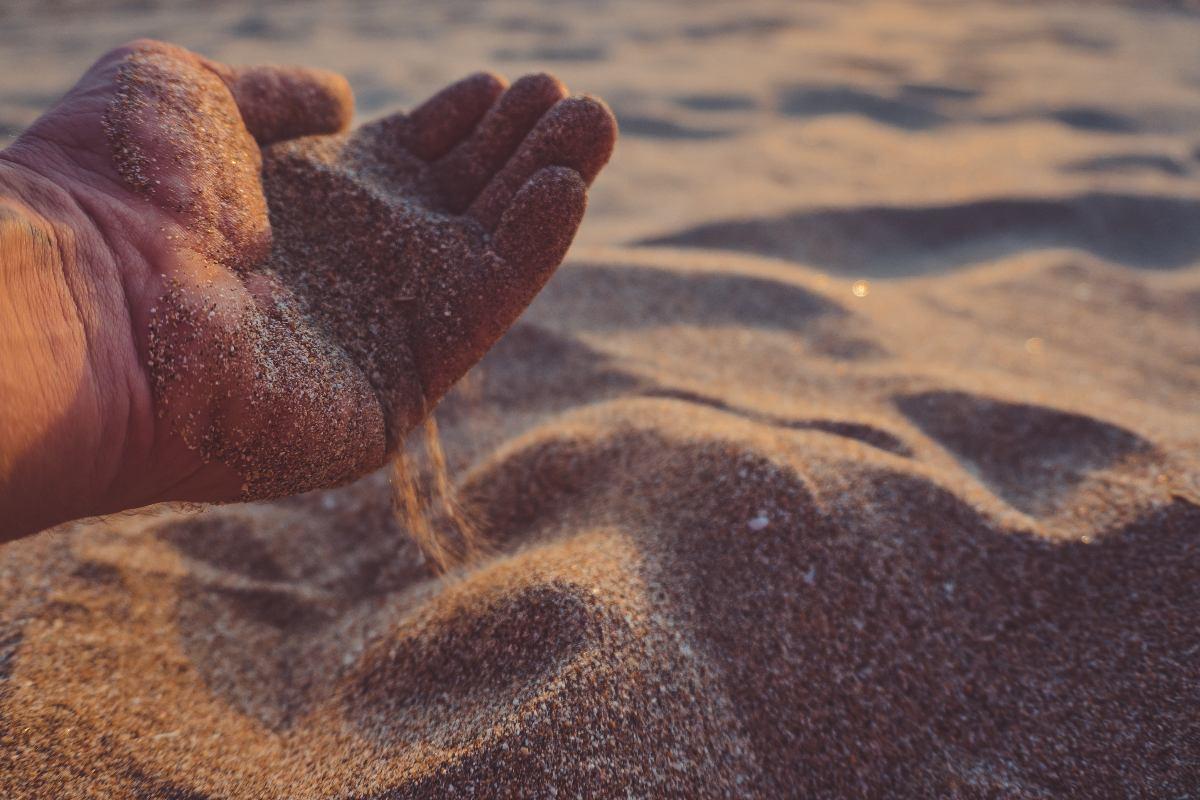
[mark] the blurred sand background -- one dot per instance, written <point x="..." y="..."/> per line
<point x="853" y="452"/>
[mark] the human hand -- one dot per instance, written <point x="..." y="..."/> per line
<point x="250" y="313"/>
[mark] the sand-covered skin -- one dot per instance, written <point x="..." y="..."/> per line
<point x="878" y="478"/>
<point x="323" y="293"/>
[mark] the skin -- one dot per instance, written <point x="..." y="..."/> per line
<point x="139" y="237"/>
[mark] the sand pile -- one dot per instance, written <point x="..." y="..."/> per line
<point x="722" y="575"/>
<point x="876" y="474"/>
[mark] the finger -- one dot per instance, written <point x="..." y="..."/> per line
<point x="538" y="227"/>
<point x="467" y="310"/>
<point x="278" y="103"/>
<point x="445" y="119"/>
<point x="468" y="167"/>
<point x="578" y="133"/>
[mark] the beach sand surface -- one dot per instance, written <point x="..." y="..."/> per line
<point x="854" y="452"/>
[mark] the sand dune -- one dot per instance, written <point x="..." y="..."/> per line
<point x="854" y="452"/>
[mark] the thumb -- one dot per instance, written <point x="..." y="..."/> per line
<point x="280" y="102"/>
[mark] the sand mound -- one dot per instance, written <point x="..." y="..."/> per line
<point x="764" y="523"/>
<point x="727" y="562"/>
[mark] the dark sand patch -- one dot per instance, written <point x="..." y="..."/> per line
<point x="1030" y="455"/>
<point x="1153" y="232"/>
<point x="859" y="431"/>
<point x="664" y="128"/>
<point x="553" y="53"/>
<point x="718" y="101"/>
<point x="1098" y="120"/>
<point x="1126" y="162"/>
<point x="925" y="92"/>
<point x="817" y="101"/>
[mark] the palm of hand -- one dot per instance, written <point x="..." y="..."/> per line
<point x="322" y="293"/>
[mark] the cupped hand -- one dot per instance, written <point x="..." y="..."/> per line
<point x="297" y="297"/>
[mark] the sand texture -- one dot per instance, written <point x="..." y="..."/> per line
<point x="853" y="452"/>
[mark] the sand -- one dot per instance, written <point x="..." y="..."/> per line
<point x="853" y="452"/>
